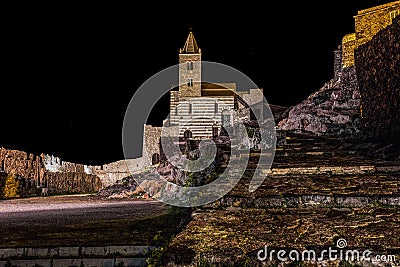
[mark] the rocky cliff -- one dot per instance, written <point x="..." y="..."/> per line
<point x="334" y="109"/>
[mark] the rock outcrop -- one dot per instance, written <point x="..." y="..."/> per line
<point x="332" y="110"/>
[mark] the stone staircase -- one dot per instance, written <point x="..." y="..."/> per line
<point x="318" y="191"/>
<point x="319" y="171"/>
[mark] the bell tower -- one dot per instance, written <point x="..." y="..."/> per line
<point x="189" y="69"/>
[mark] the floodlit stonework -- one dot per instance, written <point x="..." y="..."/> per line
<point x="368" y="23"/>
<point x="348" y="46"/>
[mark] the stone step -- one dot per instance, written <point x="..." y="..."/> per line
<point x="365" y="185"/>
<point x="76" y="256"/>
<point x="304" y="201"/>
<point x="78" y="262"/>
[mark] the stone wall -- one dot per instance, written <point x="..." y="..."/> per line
<point x="369" y="22"/>
<point x="112" y="172"/>
<point x="378" y="64"/>
<point x="71" y="182"/>
<point x="60" y="177"/>
<point x="68" y="177"/>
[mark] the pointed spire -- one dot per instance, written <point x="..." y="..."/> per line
<point x="190" y="46"/>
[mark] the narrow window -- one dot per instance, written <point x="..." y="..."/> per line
<point x="190" y="82"/>
<point x="190" y="65"/>
<point x="216" y="107"/>
<point x="190" y="108"/>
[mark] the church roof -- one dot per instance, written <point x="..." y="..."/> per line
<point x="190" y="46"/>
<point x="218" y="89"/>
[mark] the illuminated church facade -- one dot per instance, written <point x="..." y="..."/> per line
<point x="201" y="108"/>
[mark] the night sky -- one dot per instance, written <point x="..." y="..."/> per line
<point x="69" y="71"/>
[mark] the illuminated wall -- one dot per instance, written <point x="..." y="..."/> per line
<point x="368" y="23"/>
<point x="348" y="46"/>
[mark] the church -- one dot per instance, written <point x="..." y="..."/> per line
<point x="200" y="108"/>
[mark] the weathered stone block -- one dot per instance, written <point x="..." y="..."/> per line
<point x="131" y="262"/>
<point x="94" y="251"/>
<point x="316" y="200"/>
<point x="41" y="252"/>
<point x="66" y="262"/>
<point x="129" y="250"/>
<point x="68" y="251"/>
<point x="11" y="252"/>
<point x="98" y="262"/>
<point x="390" y="200"/>
<point x="352" y="201"/>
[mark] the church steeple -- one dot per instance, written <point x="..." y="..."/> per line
<point x="189" y="69"/>
<point x="190" y="46"/>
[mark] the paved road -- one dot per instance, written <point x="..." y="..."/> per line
<point x="81" y="220"/>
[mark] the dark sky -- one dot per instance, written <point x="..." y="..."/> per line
<point x="69" y="71"/>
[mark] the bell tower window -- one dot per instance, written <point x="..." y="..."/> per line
<point x="190" y="65"/>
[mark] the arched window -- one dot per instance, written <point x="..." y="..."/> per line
<point x="188" y="134"/>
